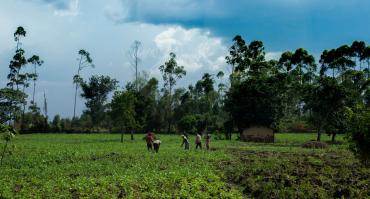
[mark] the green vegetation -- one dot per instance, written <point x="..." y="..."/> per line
<point x="98" y="165"/>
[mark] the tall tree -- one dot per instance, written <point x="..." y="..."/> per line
<point x="135" y="59"/>
<point x="366" y="58"/>
<point x="15" y="77"/>
<point x="300" y="64"/>
<point x="236" y="56"/>
<point x="171" y="72"/>
<point x="297" y="69"/>
<point x="84" y="61"/>
<point x="96" y="93"/>
<point x="358" y="48"/>
<point x="36" y="62"/>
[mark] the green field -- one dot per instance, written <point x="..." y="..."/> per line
<point x="99" y="166"/>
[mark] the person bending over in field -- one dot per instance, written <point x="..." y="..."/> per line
<point x="185" y="141"/>
<point x="149" y="141"/>
<point x="156" y="145"/>
<point x="198" y="141"/>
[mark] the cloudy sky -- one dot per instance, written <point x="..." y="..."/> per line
<point x="198" y="31"/>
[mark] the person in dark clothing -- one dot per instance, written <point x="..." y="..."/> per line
<point x="149" y="141"/>
<point x="156" y="145"/>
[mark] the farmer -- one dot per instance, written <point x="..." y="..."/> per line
<point x="208" y="139"/>
<point x="156" y="145"/>
<point x="185" y="141"/>
<point x="149" y="140"/>
<point x="198" y="141"/>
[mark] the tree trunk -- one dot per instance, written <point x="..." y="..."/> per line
<point x="74" y="107"/>
<point x="137" y="86"/>
<point x="78" y="74"/>
<point x="121" y="135"/>
<point x="169" y="110"/>
<point x="368" y="69"/>
<point x="23" y="111"/>
<point x="333" y="137"/>
<point x="132" y="134"/>
<point x="34" y="86"/>
<point x="169" y="126"/>
<point x="34" y="90"/>
<point x="319" y="134"/>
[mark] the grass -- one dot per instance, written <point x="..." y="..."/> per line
<point x="99" y="166"/>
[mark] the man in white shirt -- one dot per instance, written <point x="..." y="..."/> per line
<point x="198" y="141"/>
<point x="156" y="145"/>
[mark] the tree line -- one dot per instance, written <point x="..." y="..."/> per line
<point x="295" y="92"/>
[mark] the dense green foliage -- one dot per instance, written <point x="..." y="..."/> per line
<point x="359" y="132"/>
<point x="96" y="94"/>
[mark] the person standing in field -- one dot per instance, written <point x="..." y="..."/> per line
<point x="149" y="138"/>
<point x="198" y="141"/>
<point x="185" y="141"/>
<point x="208" y="139"/>
<point x="156" y="145"/>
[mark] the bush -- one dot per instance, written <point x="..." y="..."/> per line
<point x="359" y="132"/>
<point x="295" y="125"/>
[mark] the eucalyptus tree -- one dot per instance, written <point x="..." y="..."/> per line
<point x="221" y="86"/>
<point x="18" y="62"/>
<point x="300" y="64"/>
<point x="358" y="48"/>
<point x="246" y="59"/>
<point x="297" y="70"/>
<point x="84" y="61"/>
<point x="236" y="57"/>
<point x="134" y="54"/>
<point x="36" y="62"/>
<point x="15" y="77"/>
<point x="343" y="59"/>
<point x="327" y="62"/>
<point x="366" y="58"/>
<point x="171" y="72"/>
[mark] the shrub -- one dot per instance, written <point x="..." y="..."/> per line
<point x="359" y="132"/>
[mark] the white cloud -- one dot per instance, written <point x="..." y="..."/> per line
<point x="71" y="10"/>
<point x="196" y="49"/>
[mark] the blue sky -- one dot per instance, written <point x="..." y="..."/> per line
<point x="198" y="31"/>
